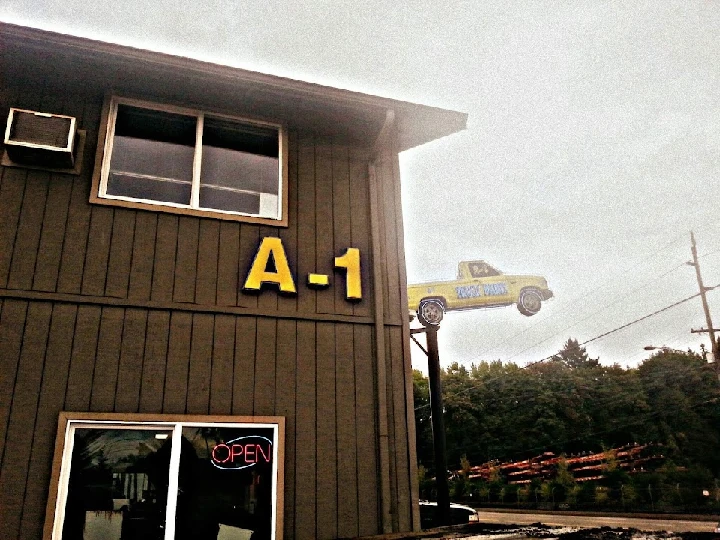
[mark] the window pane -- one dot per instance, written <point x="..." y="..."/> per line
<point x="240" y="166"/>
<point x="152" y="155"/>
<point x="233" y="201"/>
<point x="118" y="484"/>
<point x="225" y="484"/>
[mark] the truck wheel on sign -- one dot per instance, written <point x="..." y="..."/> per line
<point x="430" y="311"/>
<point x="530" y="302"/>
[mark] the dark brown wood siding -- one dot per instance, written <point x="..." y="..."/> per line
<point x="119" y="310"/>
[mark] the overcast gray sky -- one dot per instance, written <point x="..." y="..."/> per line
<point x="593" y="145"/>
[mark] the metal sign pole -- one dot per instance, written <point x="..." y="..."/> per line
<point x="438" y="427"/>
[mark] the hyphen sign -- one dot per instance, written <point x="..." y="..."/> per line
<point x="242" y="452"/>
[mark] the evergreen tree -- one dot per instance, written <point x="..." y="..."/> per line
<point x="573" y="355"/>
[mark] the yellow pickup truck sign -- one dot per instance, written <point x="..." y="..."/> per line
<point x="478" y="285"/>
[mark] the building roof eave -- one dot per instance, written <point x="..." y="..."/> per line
<point x="417" y="124"/>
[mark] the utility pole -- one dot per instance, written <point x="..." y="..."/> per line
<point x="703" y="290"/>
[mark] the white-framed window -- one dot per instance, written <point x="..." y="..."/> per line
<point x="169" y="478"/>
<point x="182" y="160"/>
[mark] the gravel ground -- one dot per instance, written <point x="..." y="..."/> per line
<point x="539" y="531"/>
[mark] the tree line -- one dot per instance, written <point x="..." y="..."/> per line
<point x="570" y="405"/>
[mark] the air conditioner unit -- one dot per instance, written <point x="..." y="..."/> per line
<point x="40" y="139"/>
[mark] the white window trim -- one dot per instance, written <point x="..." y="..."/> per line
<point x="69" y="422"/>
<point x="99" y="191"/>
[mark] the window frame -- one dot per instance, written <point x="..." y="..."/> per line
<point x="104" y="154"/>
<point x="68" y="421"/>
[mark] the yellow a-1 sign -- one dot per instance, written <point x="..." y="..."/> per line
<point x="282" y="277"/>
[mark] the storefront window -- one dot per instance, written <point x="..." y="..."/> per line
<point x="118" y="484"/>
<point x="168" y="480"/>
<point x="225" y="483"/>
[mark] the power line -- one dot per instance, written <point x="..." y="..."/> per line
<point x="641" y="260"/>
<point x="641" y="319"/>
<point x="590" y="315"/>
<point x="590" y="340"/>
<point x="710" y="253"/>
<point x="606" y="333"/>
<point x="619" y="327"/>
<point x="666" y="338"/>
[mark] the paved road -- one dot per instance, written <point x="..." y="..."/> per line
<point x="643" y="524"/>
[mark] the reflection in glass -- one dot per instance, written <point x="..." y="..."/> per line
<point x="118" y="484"/>
<point x="225" y="484"/>
<point x="240" y="167"/>
<point x="152" y="155"/>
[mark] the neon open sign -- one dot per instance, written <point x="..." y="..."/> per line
<point x="242" y="452"/>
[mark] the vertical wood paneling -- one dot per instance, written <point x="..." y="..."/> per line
<point x="98" y="251"/>
<point x="264" y="402"/>
<point x="324" y="216"/>
<point x="391" y="430"/>
<point x="52" y="394"/>
<point x="305" y="434"/>
<point x="176" y="378"/>
<point x="22" y="267"/>
<point x="121" y="248"/>
<point x="57" y="207"/>
<point x="221" y="383"/>
<point x="36" y="83"/>
<point x="289" y="234"/>
<point x="127" y="398"/>
<point x="249" y="242"/>
<point x="285" y="396"/>
<point x="54" y="93"/>
<point x="20" y="430"/>
<point x="105" y="378"/>
<point x="11" y="198"/>
<point x="400" y="455"/>
<point x="12" y="327"/>
<point x="152" y="385"/>
<point x="143" y="254"/>
<point x="207" y="265"/>
<point x="35" y="183"/>
<point x="346" y="436"/>
<point x="327" y="488"/>
<point x="227" y="279"/>
<point x="306" y="221"/>
<point x="244" y="369"/>
<point x="82" y="362"/>
<point x="200" y="371"/>
<point x="360" y="226"/>
<point x="378" y="244"/>
<point x="78" y="220"/>
<point x="9" y="96"/>
<point x="404" y="345"/>
<point x="93" y="100"/>
<point x="365" y="427"/>
<point x="391" y="242"/>
<point x="57" y="210"/>
<point x="342" y="237"/>
<point x="165" y="252"/>
<point x="186" y="263"/>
